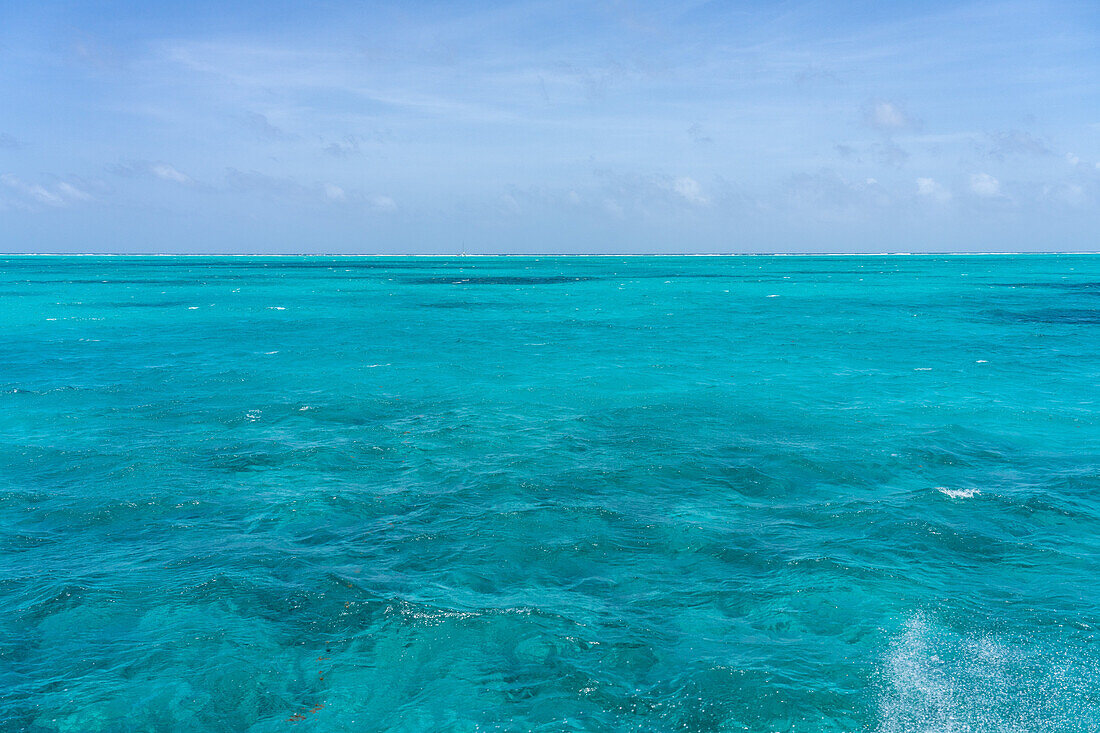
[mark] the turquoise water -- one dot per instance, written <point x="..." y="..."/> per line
<point x="512" y="494"/>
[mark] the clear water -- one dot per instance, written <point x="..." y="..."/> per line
<point x="650" y="494"/>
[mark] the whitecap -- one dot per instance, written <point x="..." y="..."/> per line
<point x="958" y="493"/>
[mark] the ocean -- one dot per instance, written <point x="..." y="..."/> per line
<point x="816" y="493"/>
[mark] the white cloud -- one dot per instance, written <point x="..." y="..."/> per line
<point x="928" y="188"/>
<point x="689" y="189"/>
<point x="887" y="116"/>
<point x="1072" y="159"/>
<point x="168" y="173"/>
<point x="383" y="203"/>
<point x="334" y="192"/>
<point x="985" y="185"/>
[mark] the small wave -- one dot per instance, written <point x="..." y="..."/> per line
<point x="958" y="493"/>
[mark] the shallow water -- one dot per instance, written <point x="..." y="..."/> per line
<point x="652" y="494"/>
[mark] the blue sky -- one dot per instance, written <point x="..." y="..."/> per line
<point x="549" y="126"/>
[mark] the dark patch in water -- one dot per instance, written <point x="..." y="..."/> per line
<point x="1086" y="286"/>
<point x="113" y="281"/>
<point x="465" y="305"/>
<point x="146" y="304"/>
<point x="1058" y="316"/>
<point x="499" y="280"/>
<point x="242" y="462"/>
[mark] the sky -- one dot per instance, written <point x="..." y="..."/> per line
<point x="536" y="127"/>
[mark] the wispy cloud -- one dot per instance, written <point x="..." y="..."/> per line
<point x="261" y="127"/>
<point x="1002" y="145"/>
<point x="828" y="195"/>
<point x="166" y="172"/>
<point x="1066" y="193"/>
<point x="345" y="148"/>
<point x="153" y="169"/>
<point x="985" y="185"/>
<point x="889" y="154"/>
<point x="33" y="191"/>
<point x="291" y="190"/>
<point x="71" y="192"/>
<point x="62" y="193"/>
<point x="255" y="182"/>
<point x="699" y="135"/>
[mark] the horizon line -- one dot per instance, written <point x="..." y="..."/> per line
<point x="546" y="254"/>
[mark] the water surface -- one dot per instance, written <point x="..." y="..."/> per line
<point x="511" y="494"/>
